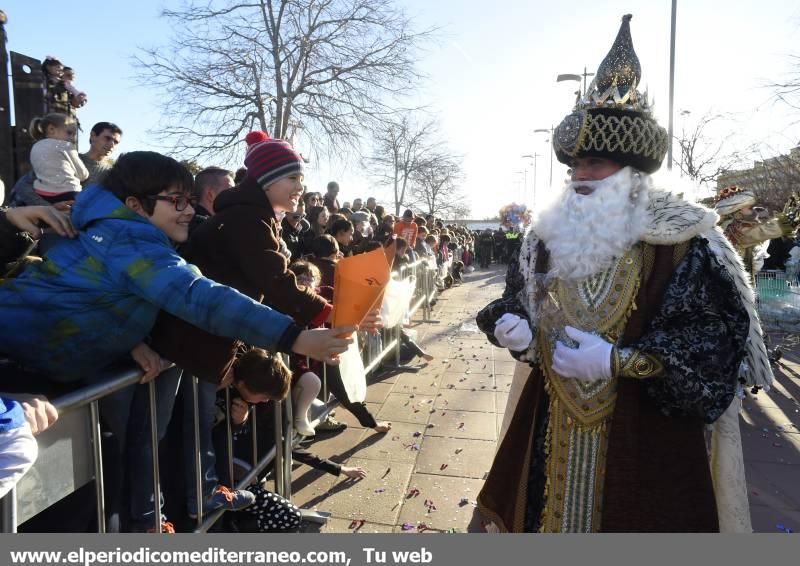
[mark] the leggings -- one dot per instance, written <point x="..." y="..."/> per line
<point x="359" y="410"/>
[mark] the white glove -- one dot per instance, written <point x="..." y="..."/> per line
<point x="591" y="360"/>
<point x="513" y="332"/>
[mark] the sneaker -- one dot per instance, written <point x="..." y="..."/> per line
<point x="330" y="425"/>
<point x="303" y="427"/>
<point x="166" y="528"/>
<point x="224" y="497"/>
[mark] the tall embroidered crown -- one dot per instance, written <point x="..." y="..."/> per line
<point x="613" y="119"/>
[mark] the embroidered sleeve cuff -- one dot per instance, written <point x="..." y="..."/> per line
<point x="631" y="363"/>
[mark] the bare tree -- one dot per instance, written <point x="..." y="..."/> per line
<point x="788" y="91"/>
<point x="320" y="69"/>
<point x="400" y="151"/>
<point x="772" y="179"/>
<point x="704" y="157"/>
<point x="435" y="188"/>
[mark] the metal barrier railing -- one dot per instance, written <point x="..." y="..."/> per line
<point x="424" y="273"/>
<point x="778" y="296"/>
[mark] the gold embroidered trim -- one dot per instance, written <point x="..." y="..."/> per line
<point x="602" y="306"/>
<point x="576" y="459"/>
<point x="599" y="303"/>
<point x="634" y="364"/>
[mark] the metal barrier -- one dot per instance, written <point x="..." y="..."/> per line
<point x="422" y="271"/>
<point x="778" y="299"/>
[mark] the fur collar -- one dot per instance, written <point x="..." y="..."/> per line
<point x="674" y="220"/>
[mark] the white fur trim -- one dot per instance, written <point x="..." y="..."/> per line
<point x="674" y="220"/>
<point x="755" y="366"/>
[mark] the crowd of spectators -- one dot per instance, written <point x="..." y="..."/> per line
<point x="211" y="277"/>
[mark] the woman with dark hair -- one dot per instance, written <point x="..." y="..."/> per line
<point x="342" y="232"/>
<point x="317" y="217"/>
<point x="379" y="212"/>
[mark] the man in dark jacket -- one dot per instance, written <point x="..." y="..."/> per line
<point x="208" y="185"/>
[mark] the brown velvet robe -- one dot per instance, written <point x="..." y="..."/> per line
<point x="658" y="477"/>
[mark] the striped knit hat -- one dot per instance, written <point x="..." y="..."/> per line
<point x="269" y="160"/>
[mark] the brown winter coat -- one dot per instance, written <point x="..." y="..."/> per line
<point x="240" y="247"/>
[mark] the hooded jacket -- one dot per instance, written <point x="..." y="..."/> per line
<point x="96" y="297"/>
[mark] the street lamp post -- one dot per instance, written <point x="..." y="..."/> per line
<point x="671" y="83"/>
<point x="524" y="172"/>
<point x="574" y="77"/>
<point x="551" y="131"/>
<point x="533" y="156"/>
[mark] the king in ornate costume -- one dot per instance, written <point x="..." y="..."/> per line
<point x="748" y="227"/>
<point x="633" y="321"/>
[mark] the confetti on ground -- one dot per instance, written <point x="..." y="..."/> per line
<point x="783" y="528"/>
<point x="459" y="450"/>
<point x="380" y="490"/>
<point x="417" y="434"/>
<point x="407" y="526"/>
<point x="413" y="493"/>
<point x="460" y="425"/>
<point x="442" y="467"/>
<point x="386" y="473"/>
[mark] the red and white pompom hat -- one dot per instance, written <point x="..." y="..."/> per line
<point x="268" y="160"/>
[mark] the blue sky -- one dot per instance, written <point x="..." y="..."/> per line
<point x="491" y="76"/>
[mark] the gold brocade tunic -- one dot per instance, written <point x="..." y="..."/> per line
<point x="580" y="411"/>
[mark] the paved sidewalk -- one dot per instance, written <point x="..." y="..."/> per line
<point x="424" y="475"/>
<point x="770" y="426"/>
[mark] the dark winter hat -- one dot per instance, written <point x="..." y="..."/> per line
<point x="613" y="120"/>
<point x="269" y="160"/>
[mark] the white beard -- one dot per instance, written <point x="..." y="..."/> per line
<point x="586" y="233"/>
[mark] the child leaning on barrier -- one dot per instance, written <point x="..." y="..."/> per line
<point x="94" y="299"/>
<point x="260" y="377"/>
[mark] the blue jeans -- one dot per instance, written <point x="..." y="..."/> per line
<point x="127" y="415"/>
<point x="206" y="407"/>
